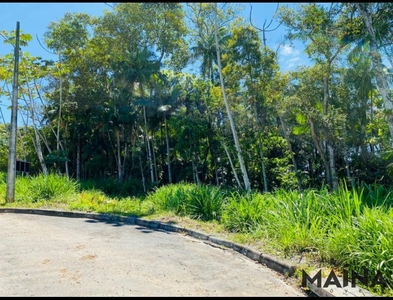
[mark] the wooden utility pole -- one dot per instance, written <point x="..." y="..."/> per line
<point x="11" y="174"/>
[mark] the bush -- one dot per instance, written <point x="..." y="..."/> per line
<point x="41" y="187"/>
<point x="205" y="203"/>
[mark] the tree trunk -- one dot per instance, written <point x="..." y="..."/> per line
<point x="332" y="179"/>
<point x="284" y="130"/>
<point x="232" y="166"/>
<point x="143" y="176"/>
<point x="36" y="133"/>
<point x="212" y="148"/>
<point x="265" y="187"/>
<point x="332" y="165"/>
<point x="259" y="129"/>
<point x="320" y="151"/>
<point x="168" y="153"/>
<point x="154" y="159"/>
<point x="58" y="143"/>
<point x="37" y="140"/>
<point x="236" y="140"/>
<point x="195" y="172"/>
<point x="57" y="135"/>
<point x="119" y="168"/>
<point x="78" y="158"/>
<point x="382" y="82"/>
<point x="39" y="151"/>
<point x="148" y="148"/>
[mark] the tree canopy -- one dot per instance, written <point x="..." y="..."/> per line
<point x="120" y="101"/>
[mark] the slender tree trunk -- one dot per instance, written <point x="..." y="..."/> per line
<point x="124" y="160"/>
<point x="148" y="148"/>
<point x="119" y="168"/>
<point x="265" y="186"/>
<point x="372" y="117"/>
<point x="319" y="149"/>
<point x="154" y="159"/>
<point x="37" y="139"/>
<point x="284" y="130"/>
<point x="58" y="123"/>
<point x="57" y="135"/>
<point x="210" y="133"/>
<point x="212" y="148"/>
<point x="39" y="151"/>
<point x="236" y="140"/>
<point x="232" y="166"/>
<point x="78" y="157"/>
<point x="332" y="166"/>
<point x="168" y="153"/>
<point x="348" y="172"/>
<point x="143" y="176"/>
<point x="195" y="172"/>
<point x="380" y="76"/>
<point x="333" y="177"/>
<point x="36" y="133"/>
<point x="259" y="129"/>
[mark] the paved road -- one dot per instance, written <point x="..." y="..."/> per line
<point x="57" y="256"/>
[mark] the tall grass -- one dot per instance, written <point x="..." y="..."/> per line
<point x="171" y="198"/>
<point x="244" y="213"/>
<point x="351" y="228"/>
<point x="199" y="202"/>
<point x="44" y="188"/>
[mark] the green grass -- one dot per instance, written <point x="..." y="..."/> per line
<point x="351" y="229"/>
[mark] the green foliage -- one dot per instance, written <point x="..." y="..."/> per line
<point x="243" y="213"/>
<point x="205" y="203"/>
<point x="56" y="156"/>
<point x="351" y="228"/>
<point x="3" y="177"/>
<point x="171" y="197"/>
<point x="196" y="201"/>
<point x="110" y="67"/>
<point x="365" y="242"/>
<point x="47" y="188"/>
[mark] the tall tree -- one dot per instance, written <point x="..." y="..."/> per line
<point x="321" y="29"/>
<point x="229" y="113"/>
<point x="368" y="11"/>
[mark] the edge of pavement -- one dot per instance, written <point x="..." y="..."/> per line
<point x="278" y="265"/>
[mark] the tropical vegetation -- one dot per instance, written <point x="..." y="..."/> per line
<point x="298" y="162"/>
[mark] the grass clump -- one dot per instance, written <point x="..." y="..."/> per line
<point x="199" y="202"/>
<point x="52" y="187"/>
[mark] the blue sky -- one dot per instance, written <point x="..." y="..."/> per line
<point x="34" y="17"/>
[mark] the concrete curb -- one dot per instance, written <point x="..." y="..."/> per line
<point x="273" y="263"/>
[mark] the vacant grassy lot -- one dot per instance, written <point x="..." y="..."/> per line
<point x="351" y="229"/>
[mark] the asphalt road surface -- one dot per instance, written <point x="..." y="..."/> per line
<point x="56" y="256"/>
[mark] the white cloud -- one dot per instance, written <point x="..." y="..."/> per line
<point x="289" y="57"/>
<point x="287" y="50"/>
<point x="290" y="63"/>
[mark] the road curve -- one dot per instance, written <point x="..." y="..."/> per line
<point x="57" y="256"/>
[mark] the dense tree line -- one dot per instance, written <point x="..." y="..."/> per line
<point x="119" y="103"/>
